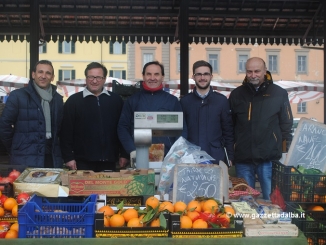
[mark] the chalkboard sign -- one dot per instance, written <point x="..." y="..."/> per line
<point x="197" y="180"/>
<point x="308" y="147"/>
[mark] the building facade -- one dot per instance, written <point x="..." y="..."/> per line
<point x="126" y="60"/>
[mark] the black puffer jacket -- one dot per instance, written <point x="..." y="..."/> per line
<point x="262" y="121"/>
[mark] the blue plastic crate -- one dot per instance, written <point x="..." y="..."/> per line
<point x="40" y="218"/>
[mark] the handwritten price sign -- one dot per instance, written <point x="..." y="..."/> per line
<point x="197" y="180"/>
<point x="308" y="147"/>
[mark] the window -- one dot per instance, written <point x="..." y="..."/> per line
<point x="302" y="61"/>
<point x="117" y="48"/>
<point x="147" y="54"/>
<point x="66" y="48"/>
<point x="302" y="64"/>
<point x="302" y="107"/>
<point x="178" y="61"/>
<point x="118" y="74"/>
<point x="147" y="57"/>
<point x="272" y="63"/>
<point x="66" y="75"/>
<point x="272" y="60"/>
<point x="243" y="55"/>
<point x="42" y="48"/>
<point x="242" y="63"/>
<point x="213" y="57"/>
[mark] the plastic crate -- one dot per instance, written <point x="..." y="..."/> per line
<point x="40" y="218"/>
<point x="311" y="223"/>
<point x="298" y="187"/>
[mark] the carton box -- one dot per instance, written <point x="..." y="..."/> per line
<point x="235" y="231"/>
<point x="129" y="232"/>
<point x="41" y="181"/>
<point x="271" y="230"/>
<point x="137" y="182"/>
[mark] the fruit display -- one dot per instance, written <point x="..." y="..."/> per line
<point x="152" y="219"/>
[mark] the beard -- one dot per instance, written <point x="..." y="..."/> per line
<point x="254" y="82"/>
<point x="203" y="87"/>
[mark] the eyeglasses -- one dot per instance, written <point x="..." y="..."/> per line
<point x="98" y="78"/>
<point x="206" y="74"/>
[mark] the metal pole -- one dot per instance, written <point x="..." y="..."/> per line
<point x="34" y="35"/>
<point x="184" y="50"/>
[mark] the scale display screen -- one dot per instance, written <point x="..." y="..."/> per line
<point x="166" y="118"/>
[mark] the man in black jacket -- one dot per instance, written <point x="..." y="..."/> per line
<point x="262" y="119"/>
<point x="89" y="138"/>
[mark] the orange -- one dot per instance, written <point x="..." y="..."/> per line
<point x="192" y="215"/>
<point x="155" y="223"/>
<point x="152" y="202"/>
<point x="2" y="212"/>
<point x="9" y="203"/>
<point x="229" y="210"/>
<point x="210" y="206"/>
<point x="180" y="206"/>
<point x="0" y="193"/>
<point x="322" y="198"/>
<point x="199" y="224"/>
<point x="129" y="214"/>
<point x="310" y="241"/>
<point x="141" y="216"/>
<point x="11" y="234"/>
<point x="106" y="221"/>
<point x="14" y="211"/>
<point x="135" y="222"/>
<point x="117" y="220"/>
<point x="107" y="210"/>
<point x="15" y="227"/>
<point x="294" y="196"/>
<point x="194" y="206"/>
<point x="316" y="208"/>
<point x="166" y="205"/>
<point x="185" y="222"/>
<point x="225" y="216"/>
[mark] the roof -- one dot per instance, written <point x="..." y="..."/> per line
<point x="211" y="21"/>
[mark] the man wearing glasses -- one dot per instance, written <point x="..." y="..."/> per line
<point x="89" y="139"/>
<point x="208" y="117"/>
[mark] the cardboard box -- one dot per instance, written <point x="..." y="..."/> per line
<point x="236" y="231"/>
<point x="129" y="232"/>
<point x="124" y="183"/>
<point x="41" y="181"/>
<point x="271" y="230"/>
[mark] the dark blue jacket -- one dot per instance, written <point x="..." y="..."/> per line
<point x="209" y="123"/>
<point x="22" y="127"/>
<point x="145" y="101"/>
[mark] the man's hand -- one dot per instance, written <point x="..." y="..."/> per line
<point x="132" y="158"/>
<point x="72" y="165"/>
<point x="123" y="162"/>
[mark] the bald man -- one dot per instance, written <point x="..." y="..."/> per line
<point x="262" y="120"/>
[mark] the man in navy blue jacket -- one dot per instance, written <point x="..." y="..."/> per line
<point x="30" y="122"/>
<point x="208" y="116"/>
<point x="151" y="98"/>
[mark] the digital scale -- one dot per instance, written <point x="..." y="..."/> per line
<point x="153" y="124"/>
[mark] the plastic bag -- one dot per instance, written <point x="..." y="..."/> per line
<point x="180" y="152"/>
<point x="202" y="157"/>
<point x="277" y="198"/>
